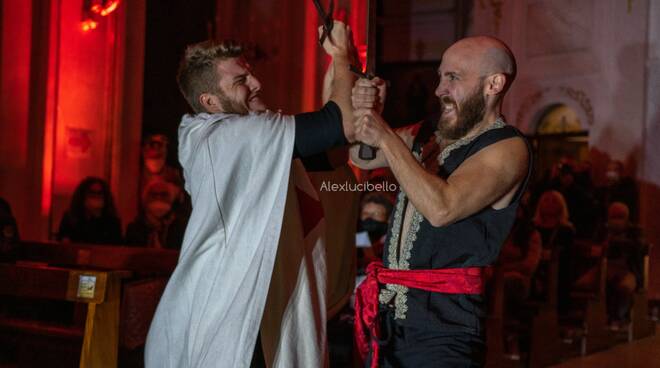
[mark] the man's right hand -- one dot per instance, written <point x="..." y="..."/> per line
<point x="339" y="42"/>
<point x="369" y="94"/>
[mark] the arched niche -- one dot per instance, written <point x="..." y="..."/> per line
<point x="559" y="135"/>
<point x="558" y="119"/>
<point x="536" y="104"/>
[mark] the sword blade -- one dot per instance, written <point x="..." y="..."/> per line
<point x="371" y="37"/>
<point x="367" y="152"/>
<point x="320" y="10"/>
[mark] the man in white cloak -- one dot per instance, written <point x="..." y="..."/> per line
<point x="237" y="161"/>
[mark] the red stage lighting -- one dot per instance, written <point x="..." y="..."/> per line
<point x="105" y="7"/>
<point x="93" y="9"/>
<point x="88" y="25"/>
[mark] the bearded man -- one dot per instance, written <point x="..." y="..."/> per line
<point x="237" y="161"/>
<point x="461" y="177"/>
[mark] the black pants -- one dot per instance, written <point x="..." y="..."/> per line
<point x="258" y="360"/>
<point x="405" y="346"/>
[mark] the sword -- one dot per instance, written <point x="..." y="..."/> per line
<point x="328" y="22"/>
<point x="367" y="152"/>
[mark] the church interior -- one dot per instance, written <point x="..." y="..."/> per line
<point x="89" y="119"/>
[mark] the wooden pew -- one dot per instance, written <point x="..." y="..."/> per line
<point x="641" y="324"/>
<point x="541" y="329"/>
<point x="592" y="324"/>
<point x="141" y="261"/>
<point x="150" y="269"/>
<point x="98" y="290"/>
<point x="537" y="323"/>
<point x="544" y="344"/>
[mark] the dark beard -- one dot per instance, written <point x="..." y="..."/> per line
<point x="230" y="106"/>
<point x="471" y="113"/>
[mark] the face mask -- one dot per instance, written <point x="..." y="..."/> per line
<point x="616" y="226"/>
<point x="376" y="229"/>
<point x="154" y="165"/>
<point x="158" y="209"/>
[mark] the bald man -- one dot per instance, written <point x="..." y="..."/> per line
<point x="461" y="177"/>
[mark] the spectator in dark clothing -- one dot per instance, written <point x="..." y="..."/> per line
<point x="8" y="231"/>
<point x="579" y="200"/>
<point x="624" y="247"/>
<point x="375" y="211"/>
<point x="157" y="225"/>
<point x="583" y="175"/>
<point x="155" y="167"/>
<point x="620" y="188"/>
<point x="154" y="161"/>
<point x="557" y="234"/>
<point x="519" y="259"/>
<point x="92" y="216"/>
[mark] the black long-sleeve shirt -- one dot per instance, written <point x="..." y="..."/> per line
<point x="317" y="132"/>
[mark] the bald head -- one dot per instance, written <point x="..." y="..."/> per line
<point x="474" y="75"/>
<point x="485" y="56"/>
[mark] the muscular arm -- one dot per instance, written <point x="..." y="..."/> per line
<point x="340" y="46"/>
<point x="341" y="85"/>
<point x="489" y="178"/>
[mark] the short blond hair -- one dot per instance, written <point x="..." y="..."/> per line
<point x="197" y="70"/>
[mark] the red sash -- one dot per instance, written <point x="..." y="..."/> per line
<point x="449" y="281"/>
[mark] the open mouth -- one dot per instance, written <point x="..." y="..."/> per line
<point x="448" y="105"/>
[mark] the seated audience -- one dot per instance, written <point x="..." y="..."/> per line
<point x="579" y="201"/>
<point x="8" y="231"/>
<point x="91" y="217"/>
<point x="557" y="233"/>
<point x="619" y="188"/>
<point x="519" y="259"/>
<point x="155" y="167"/>
<point x="157" y="225"/>
<point x="154" y="162"/>
<point x="623" y="245"/>
<point x="375" y="211"/>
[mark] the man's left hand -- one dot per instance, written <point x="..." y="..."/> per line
<point x="339" y="42"/>
<point x="369" y="94"/>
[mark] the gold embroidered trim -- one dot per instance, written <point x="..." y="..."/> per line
<point x="394" y="291"/>
<point x="499" y="123"/>
<point x="406" y="248"/>
<point x="396" y="232"/>
<point x="401" y="261"/>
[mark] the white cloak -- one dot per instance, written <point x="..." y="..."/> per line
<point x="237" y="171"/>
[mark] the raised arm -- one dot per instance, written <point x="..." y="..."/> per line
<point x="489" y="178"/>
<point x="340" y="47"/>
<point x="370" y="94"/>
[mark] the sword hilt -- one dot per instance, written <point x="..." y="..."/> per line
<point x="366" y="152"/>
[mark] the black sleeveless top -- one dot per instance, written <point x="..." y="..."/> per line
<point x="473" y="241"/>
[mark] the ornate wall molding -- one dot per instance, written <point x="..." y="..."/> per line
<point x="535" y="103"/>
